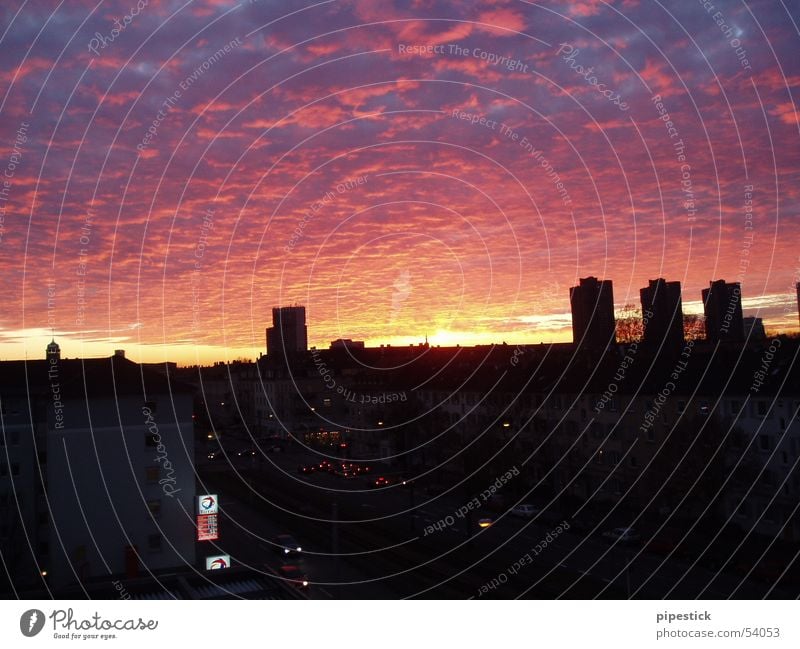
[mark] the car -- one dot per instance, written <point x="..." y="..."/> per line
<point x="293" y="576"/>
<point x="524" y="510"/>
<point x="307" y="469"/>
<point x="622" y="534"/>
<point x="247" y="452"/>
<point x="485" y="522"/>
<point x="326" y="465"/>
<point x="380" y="481"/>
<point x="214" y="455"/>
<point x="286" y="544"/>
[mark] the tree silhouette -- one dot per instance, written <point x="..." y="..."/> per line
<point x="630" y="328"/>
<point x="629" y="324"/>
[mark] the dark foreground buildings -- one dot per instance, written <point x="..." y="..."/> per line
<point x="97" y="473"/>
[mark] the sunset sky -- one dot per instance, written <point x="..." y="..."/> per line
<point x="325" y="154"/>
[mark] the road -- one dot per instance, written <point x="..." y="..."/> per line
<point x="392" y="543"/>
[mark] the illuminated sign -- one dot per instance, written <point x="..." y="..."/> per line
<point x="217" y="562"/>
<point x="207" y="527"/>
<point x="207" y="504"/>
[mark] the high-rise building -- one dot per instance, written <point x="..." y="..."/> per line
<point x="754" y="328"/>
<point x="722" y="302"/>
<point x="662" y="313"/>
<point x="288" y="334"/>
<point x="592" y="304"/>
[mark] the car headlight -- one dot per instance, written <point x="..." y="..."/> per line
<point x="299" y="549"/>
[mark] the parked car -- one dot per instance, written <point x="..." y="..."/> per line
<point x="286" y="544"/>
<point x="622" y="534"/>
<point x="307" y="469"/>
<point x="525" y="510"/>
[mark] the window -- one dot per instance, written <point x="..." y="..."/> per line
<point x="763" y="442"/>
<point x="633" y="461"/>
<point x="761" y="408"/>
<point x="154" y="542"/>
<point x="151" y="474"/>
<point x="154" y="506"/>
